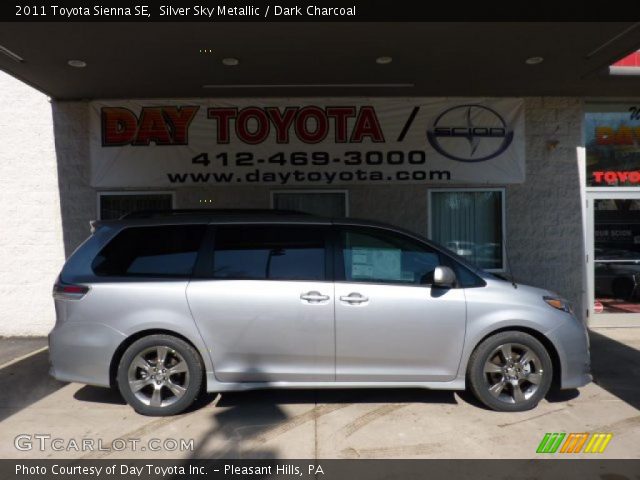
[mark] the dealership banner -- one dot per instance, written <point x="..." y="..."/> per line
<point x="306" y="141"/>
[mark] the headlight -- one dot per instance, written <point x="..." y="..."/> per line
<point x="559" y="303"/>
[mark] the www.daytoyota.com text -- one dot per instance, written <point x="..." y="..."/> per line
<point x="369" y="166"/>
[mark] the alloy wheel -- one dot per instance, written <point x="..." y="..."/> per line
<point x="158" y="376"/>
<point x="513" y="373"/>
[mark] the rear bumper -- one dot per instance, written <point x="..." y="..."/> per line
<point x="82" y="352"/>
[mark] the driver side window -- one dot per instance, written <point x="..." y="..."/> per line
<point x="378" y="256"/>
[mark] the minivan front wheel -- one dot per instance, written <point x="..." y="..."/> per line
<point x="510" y="371"/>
<point x="160" y="375"/>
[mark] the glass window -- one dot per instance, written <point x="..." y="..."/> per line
<point x="469" y="223"/>
<point x="151" y="251"/>
<point x="617" y="255"/>
<point x="115" y="205"/>
<point x="465" y="278"/>
<point x="612" y="137"/>
<point x="269" y="253"/>
<point x="379" y="256"/>
<point x="325" y="204"/>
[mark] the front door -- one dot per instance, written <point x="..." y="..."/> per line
<point x="391" y="325"/>
<point x="266" y="310"/>
<point x="614" y="258"/>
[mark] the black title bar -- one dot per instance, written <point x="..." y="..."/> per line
<point x="309" y="11"/>
<point x="318" y="469"/>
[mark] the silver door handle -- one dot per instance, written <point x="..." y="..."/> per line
<point x="354" y="298"/>
<point x="314" y="297"/>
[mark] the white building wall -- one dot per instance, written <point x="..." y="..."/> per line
<point x="77" y="198"/>
<point x="543" y="215"/>
<point x="31" y="247"/>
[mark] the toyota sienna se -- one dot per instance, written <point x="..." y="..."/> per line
<point x="163" y="306"/>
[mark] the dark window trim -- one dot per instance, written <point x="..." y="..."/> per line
<point x="337" y="257"/>
<point x="203" y="269"/>
<point x="205" y="255"/>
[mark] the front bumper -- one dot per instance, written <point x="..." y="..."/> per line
<point x="572" y="343"/>
<point x="82" y="352"/>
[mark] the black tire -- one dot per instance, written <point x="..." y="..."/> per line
<point x="532" y="381"/>
<point x="187" y="382"/>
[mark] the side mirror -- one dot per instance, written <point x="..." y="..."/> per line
<point x="444" y="277"/>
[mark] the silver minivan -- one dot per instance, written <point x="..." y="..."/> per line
<point x="164" y="306"/>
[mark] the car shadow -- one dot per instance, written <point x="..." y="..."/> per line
<point x="25" y="383"/>
<point x="616" y="368"/>
<point x="333" y="396"/>
<point x="556" y="395"/>
<point x="92" y="394"/>
<point x="245" y="399"/>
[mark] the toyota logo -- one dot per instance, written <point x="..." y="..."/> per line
<point x="472" y="128"/>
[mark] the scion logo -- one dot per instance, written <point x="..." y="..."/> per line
<point x="470" y="133"/>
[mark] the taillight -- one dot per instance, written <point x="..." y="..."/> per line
<point x="69" y="291"/>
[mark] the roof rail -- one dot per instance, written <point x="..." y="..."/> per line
<point x="208" y="211"/>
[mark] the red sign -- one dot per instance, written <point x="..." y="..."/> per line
<point x="613" y="177"/>
<point x="598" y="307"/>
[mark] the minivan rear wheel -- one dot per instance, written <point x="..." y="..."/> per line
<point x="160" y="375"/>
<point x="510" y="372"/>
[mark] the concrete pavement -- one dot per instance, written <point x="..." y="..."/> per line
<point x="320" y="424"/>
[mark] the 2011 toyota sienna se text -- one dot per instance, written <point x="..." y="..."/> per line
<point x="164" y="306"/>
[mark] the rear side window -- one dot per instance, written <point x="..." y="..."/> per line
<point x="269" y="253"/>
<point x="159" y="251"/>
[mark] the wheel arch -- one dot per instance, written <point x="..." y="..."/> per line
<point x="538" y="335"/>
<point x="117" y="355"/>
